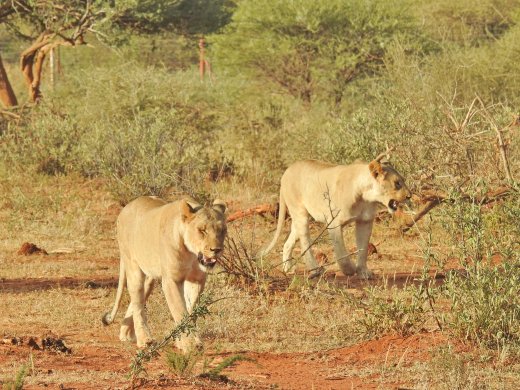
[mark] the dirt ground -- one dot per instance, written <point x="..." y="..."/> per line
<point x="341" y="368"/>
<point x="61" y="297"/>
<point x="108" y="362"/>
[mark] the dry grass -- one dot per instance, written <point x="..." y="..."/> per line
<point x="56" y="212"/>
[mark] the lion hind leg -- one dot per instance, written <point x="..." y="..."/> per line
<point x="302" y="227"/>
<point x="175" y="298"/>
<point x="127" y="331"/>
<point x="136" y="284"/>
<point x="288" y="247"/>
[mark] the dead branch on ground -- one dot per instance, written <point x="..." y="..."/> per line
<point x="256" y="210"/>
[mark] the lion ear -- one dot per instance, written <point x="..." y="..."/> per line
<point x="219" y="205"/>
<point x="187" y="210"/>
<point x="376" y="169"/>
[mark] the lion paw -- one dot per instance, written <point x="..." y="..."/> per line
<point x="317" y="272"/>
<point x="187" y="344"/>
<point x="365" y="273"/>
<point x="147" y="342"/>
<point x="127" y="333"/>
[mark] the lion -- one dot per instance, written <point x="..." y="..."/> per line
<point x="176" y="243"/>
<point x="336" y="195"/>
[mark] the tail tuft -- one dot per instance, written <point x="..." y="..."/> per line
<point x="107" y="319"/>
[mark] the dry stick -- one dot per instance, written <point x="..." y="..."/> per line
<point x="421" y="213"/>
<point x="9" y="114"/>
<point x="501" y="144"/>
<point x="385" y="154"/>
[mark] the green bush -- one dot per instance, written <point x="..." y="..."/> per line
<point x="138" y="127"/>
<point x="485" y="295"/>
<point x="394" y="311"/>
<point x="485" y="305"/>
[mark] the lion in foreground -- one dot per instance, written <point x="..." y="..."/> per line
<point x="173" y="242"/>
<point x="336" y="195"/>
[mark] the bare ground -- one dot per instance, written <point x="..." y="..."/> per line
<point x="64" y="295"/>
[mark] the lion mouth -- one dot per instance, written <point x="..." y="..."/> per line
<point x="393" y="204"/>
<point x="206" y="261"/>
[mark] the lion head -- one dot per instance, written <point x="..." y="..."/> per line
<point x="392" y="190"/>
<point x="205" y="231"/>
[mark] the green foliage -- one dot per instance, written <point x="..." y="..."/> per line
<point x="185" y="326"/>
<point x="467" y="22"/>
<point x="153" y="154"/>
<point x="485" y="305"/>
<point x="216" y="372"/>
<point x="17" y="383"/>
<point x="394" y="311"/>
<point x="182" y="16"/>
<point x="109" y="19"/>
<point x="313" y="49"/>
<point x="182" y="364"/>
<point x="485" y="297"/>
<point x="142" y="143"/>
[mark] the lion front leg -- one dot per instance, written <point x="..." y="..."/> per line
<point x="342" y="256"/>
<point x="363" y="232"/>
<point x="174" y="293"/>
<point x="192" y="291"/>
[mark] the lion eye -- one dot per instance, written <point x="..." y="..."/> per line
<point x="202" y="231"/>
<point x="398" y="185"/>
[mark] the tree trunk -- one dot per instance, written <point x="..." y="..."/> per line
<point x="31" y="63"/>
<point x="7" y="96"/>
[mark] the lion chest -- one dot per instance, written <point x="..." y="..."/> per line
<point x="178" y="265"/>
<point x="362" y="211"/>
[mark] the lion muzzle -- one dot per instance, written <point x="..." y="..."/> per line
<point x="393" y="205"/>
<point x="206" y="261"/>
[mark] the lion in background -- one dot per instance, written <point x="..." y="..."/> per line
<point x="173" y="242"/>
<point x="336" y="195"/>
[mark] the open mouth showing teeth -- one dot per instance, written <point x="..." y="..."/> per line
<point x="392" y="205"/>
<point x="206" y="261"/>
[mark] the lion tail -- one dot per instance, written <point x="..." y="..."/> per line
<point x="108" y="317"/>
<point x="282" y="212"/>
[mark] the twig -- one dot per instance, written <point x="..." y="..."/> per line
<point x="9" y="114"/>
<point x="501" y="144"/>
<point x="185" y="326"/>
<point x="385" y="154"/>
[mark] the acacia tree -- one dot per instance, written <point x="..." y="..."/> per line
<point x="310" y="47"/>
<point x="46" y="24"/>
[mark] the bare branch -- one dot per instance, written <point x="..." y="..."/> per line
<point x="501" y="145"/>
<point x="385" y="154"/>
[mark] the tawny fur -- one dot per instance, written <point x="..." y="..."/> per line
<point x="335" y="195"/>
<point x="172" y="242"/>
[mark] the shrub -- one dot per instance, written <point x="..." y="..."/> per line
<point x="182" y="364"/>
<point x="485" y="297"/>
<point x="393" y="311"/>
